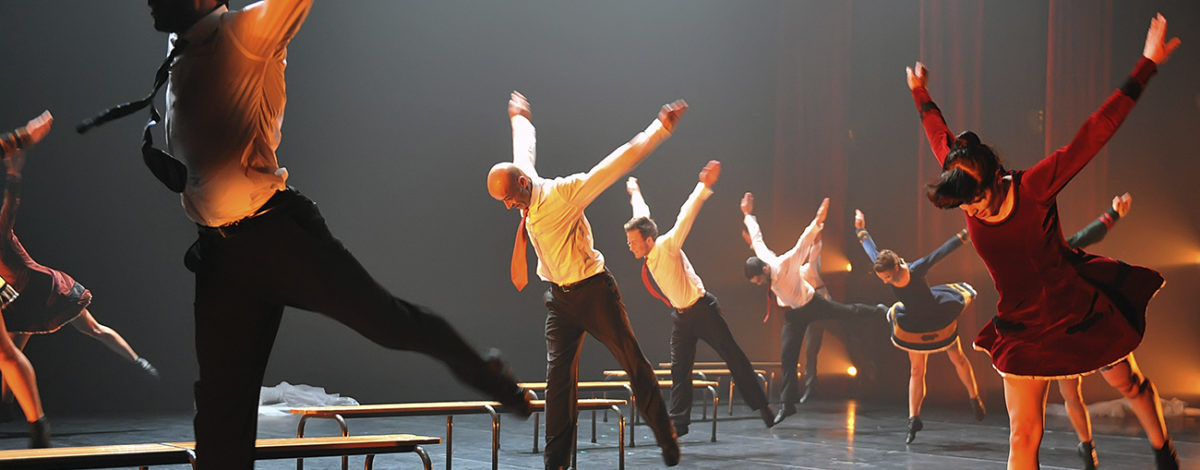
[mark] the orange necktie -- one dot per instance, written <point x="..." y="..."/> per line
<point x="771" y="303"/>
<point x="519" y="270"/>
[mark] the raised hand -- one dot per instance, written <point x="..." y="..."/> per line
<point x="1156" y="49"/>
<point x="710" y="173"/>
<point x="860" y="220"/>
<point x="671" y="112"/>
<point x="518" y="106"/>
<point x="38" y="127"/>
<point x="747" y="204"/>
<point x="1122" y="203"/>
<point x="822" y="212"/>
<point x="631" y="186"/>
<point x="918" y="76"/>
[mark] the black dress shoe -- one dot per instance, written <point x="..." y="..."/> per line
<point x="1165" y="458"/>
<point x="768" y="416"/>
<point x="670" y="453"/>
<point x="809" y="386"/>
<point x="505" y="389"/>
<point x="914" y="425"/>
<point x="784" y="412"/>
<point x="1087" y="452"/>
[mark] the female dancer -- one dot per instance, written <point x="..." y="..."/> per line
<point x="13" y="364"/>
<point x="925" y="320"/>
<point x="1062" y="313"/>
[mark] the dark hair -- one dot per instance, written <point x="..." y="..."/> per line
<point x="754" y="267"/>
<point x="887" y="260"/>
<point x="646" y="227"/>
<point x="956" y="186"/>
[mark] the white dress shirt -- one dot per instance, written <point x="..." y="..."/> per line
<point x="557" y="227"/>
<point x="667" y="261"/>
<point x="789" y="272"/>
<point x="225" y="102"/>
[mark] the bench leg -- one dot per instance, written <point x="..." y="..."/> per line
<point x="428" y="464"/>
<point x="345" y="432"/>
<point x="449" y="441"/>
<point x="713" y="392"/>
<point x="633" y="413"/>
<point x="495" y="437"/>
<point x="620" y="437"/>
<point x="300" y="433"/>
<point x="575" y="445"/>
<point x="535" y="432"/>
<point x="593" y="426"/>
<point x="730" y="399"/>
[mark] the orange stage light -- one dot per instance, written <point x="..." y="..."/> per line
<point x="853" y="371"/>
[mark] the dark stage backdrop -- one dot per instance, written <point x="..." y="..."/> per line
<point x="397" y="110"/>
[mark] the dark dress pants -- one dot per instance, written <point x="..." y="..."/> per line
<point x="703" y="321"/>
<point x="592" y="306"/>
<point x="795" y="325"/>
<point x="246" y="274"/>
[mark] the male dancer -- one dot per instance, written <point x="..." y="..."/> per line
<point x="263" y="245"/>
<point x="583" y="296"/>
<point x="787" y="276"/>
<point x="15" y="367"/>
<point x="696" y="312"/>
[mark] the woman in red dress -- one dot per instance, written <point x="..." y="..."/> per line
<point x="1062" y="313"/>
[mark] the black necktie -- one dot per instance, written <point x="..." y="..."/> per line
<point x="166" y="168"/>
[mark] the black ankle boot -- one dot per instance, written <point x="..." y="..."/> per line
<point x="39" y="434"/>
<point x="914" y="425"/>
<point x="1165" y="458"/>
<point x="1087" y="452"/>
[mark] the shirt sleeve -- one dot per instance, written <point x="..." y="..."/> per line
<point x="1050" y="175"/>
<point x="868" y="243"/>
<point x="922" y="265"/>
<point x="12" y="201"/>
<point x="1095" y="231"/>
<point x="687" y="216"/>
<point x="524" y="139"/>
<point x="638" y="203"/>
<point x="621" y="161"/>
<point x="756" y="240"/>
<point x="264" y="28"/>
<point x="934" y="123"/>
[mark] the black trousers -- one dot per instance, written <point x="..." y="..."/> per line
<point x="246" y="274"/>
<point x="795" y="325"/>
<point x="592" y="306"/>
<point x="703" y="321"/>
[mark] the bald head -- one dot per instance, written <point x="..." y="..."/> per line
<point x="510" y="185"/>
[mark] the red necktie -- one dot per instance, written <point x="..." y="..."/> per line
<point x="770" y="304"/>
<point x="519" y="270"/>
<point x="650" y="286"/>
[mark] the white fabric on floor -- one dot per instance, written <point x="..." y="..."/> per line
<point x="277" y="400"/>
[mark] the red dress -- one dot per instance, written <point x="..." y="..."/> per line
<point x="48" y="298"/>
<point x="1062" y="312"/>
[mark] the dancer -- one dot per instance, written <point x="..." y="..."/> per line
<point x="788" y="279"/>
<point x="925" y="319"/>
<point x="262" y="245"/>
<point x="1062" y="313"/>
<point x="583" y="296"/>
<point x="1070" y="388"/>
<point x="14" y="366"/>
<point x="696" y="315"/>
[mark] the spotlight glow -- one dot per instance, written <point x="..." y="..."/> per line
<point x="853" y="371"/>
<point x="849" y="267"/>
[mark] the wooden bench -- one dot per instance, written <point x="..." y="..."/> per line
<point x="593" y="386"/>
<point x="769" y="366"/>
<point x="703" y="374"/>
<point x="448" y="409"/>
<point x="170" y="453"/>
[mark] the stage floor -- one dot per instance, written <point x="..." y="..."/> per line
<point x="825" y="434"/>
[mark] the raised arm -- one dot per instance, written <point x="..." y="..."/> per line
<point x="1098" y="229"/>
<point x="691" y="207"/>
<point x="804" y="245"/>
<point x="640" y="209"/>
<point x="948" y="247"/>
<point x="14" y="162"/>
<point x="524" y="136"/>
<point x="1050" y="175"/>
<point x="264" y="28"/>
<point x="753" y="234"/>
<point x="627" y="157"/>
<point x="931" y="117"/>
<point x="25" y="136"/>
<point x="860" y="230"/>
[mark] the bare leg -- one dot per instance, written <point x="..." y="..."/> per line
<point x="18" y="373"/>
<point x="88" y="325"/>
<point x="19" y="340"/>
<point x="1076" y="408"/>
<point x="1026" y="401"/>
<point x="966" y="374"/>
<point x="916" y="382"/>
<point x="1143" y="398"/>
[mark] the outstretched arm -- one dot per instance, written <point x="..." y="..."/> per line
<point x="804" y="245"/>
<point x="753" y="234"/>
<point x="691" y="207"/>
<point x="524" y="136"/>
<point x="32" y="133"/>
<point x="860" y="230"/>
<point x="1098" y="229"/>
<point x="264" y="28"/>
<point x="25" y="136"/>
<point x="1050" y="175"/>
<point x="640" y="209"/>
<point x="627" y="157"/>
<point x="931" y="117"/>
<point x="929" y="260"/>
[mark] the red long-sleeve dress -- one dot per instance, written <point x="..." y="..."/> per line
<point x="48" y="298"/>
<point x="1062" y="312"/>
